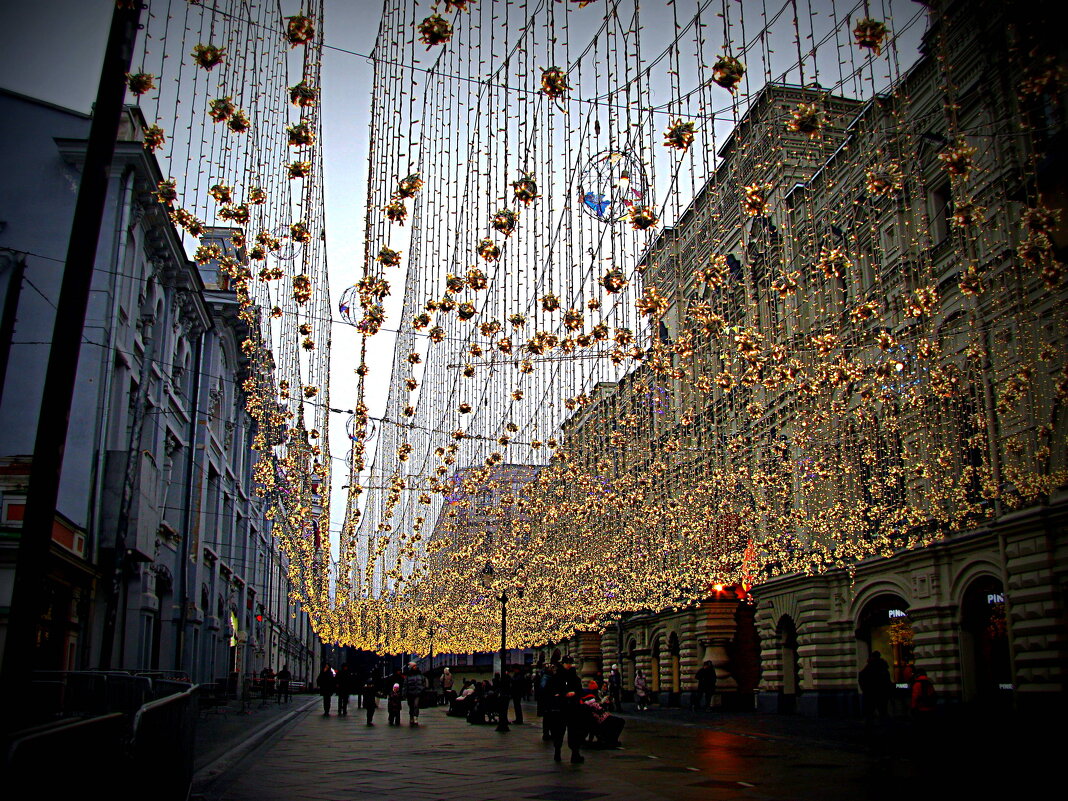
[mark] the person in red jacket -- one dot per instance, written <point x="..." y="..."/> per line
<point x="924" y="697"/>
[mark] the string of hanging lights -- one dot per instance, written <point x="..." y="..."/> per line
<point x="230" y="95"/>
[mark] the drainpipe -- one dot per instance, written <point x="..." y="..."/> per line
<point x="187" y="509"/>
<point x="118" y="259"/>
<point x="118" y="578"/>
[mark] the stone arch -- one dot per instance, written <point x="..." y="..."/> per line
<point x="881" y="586"/>
<point x="971" y="571"/>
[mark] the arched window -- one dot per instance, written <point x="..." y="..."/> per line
<point x="787" y="634"/>
<point x="884" y="626"/>
<point x="987" y="671"/>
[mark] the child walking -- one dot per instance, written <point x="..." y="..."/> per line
<point x="394" y="704"/>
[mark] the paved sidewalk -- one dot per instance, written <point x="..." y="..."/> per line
<point x="446" y="758"/>
<point x="664" y="758"/>
<point x="219" y="731"/>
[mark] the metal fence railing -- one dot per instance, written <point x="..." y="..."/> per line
<point x="76" y="693"/>
<point x="107" y="733"/>
<point x="71" y="758"/>
<point x="161" y="748"/>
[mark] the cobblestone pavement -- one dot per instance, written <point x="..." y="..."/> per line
<point x="446" y="758"/>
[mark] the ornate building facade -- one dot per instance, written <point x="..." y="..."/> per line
<point x="158" y="456"/>
<point x="875" y="300"/>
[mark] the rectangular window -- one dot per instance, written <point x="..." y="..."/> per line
<point x="939" y="202"/>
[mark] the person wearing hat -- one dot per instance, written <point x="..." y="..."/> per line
<point x="563" y="710"/>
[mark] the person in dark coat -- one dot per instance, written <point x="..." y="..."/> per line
<point x="875" y="687"/>
<point x="284" y="677"/>
<point x="414" y="686"/>
<point x="564" y="710"/>
<point x="327" y="684"/>
<point x="502" y="696"/>
<point x="615" y="689"/>
<point x="541" y="694"/>
<point x="519" y="692"/>
<point x="706" y="686"/>
<point x="344" y="690"/>
<point x="368" y="696"/>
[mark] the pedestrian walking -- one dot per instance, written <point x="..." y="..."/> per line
<point x="706" y="686"/>
<point x="519" y="691"/>
<point x="875" y="687"/>
<point x="446" y="686"/>
<point x="394" y="704"/>
<point x="414" y="685"/>
<point x="344" y="689"/>
<point x="542" y="696"/>
<point x="396" y="678"/>
<point x="266" y="685"/>
<point x="923" y="703"/>
<point x="283" y="678"/>
<point x="367" y="694"/>
<point x="565" y="713"/>
<point x="615" y="689"/>
<point x="641" y="691"/>
<point x="327" y="684"/>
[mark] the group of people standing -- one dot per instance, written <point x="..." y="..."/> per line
<point x="581" y="713"/>
<point x="570" y="710"/>
<point x="490" y="701"/>
<point x="409" y="687"/>
<point x="272" y="683"/>
<point x="700" y="700"/>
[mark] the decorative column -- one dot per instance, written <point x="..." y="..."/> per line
<point x="587" y="653"/>
<point x="610" y="646"/>
<point x="714" y="629"/>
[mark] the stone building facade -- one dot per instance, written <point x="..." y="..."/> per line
<point x="981" y="604"/>
<point x="204" y="589"/>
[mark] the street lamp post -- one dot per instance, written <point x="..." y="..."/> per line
<point x="487" y="582"/>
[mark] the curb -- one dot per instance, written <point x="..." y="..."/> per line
<point x="204" y="778"/>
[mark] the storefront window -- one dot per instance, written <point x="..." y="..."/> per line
<point x="885" y="627"/>
<point x="987" y="639"/>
